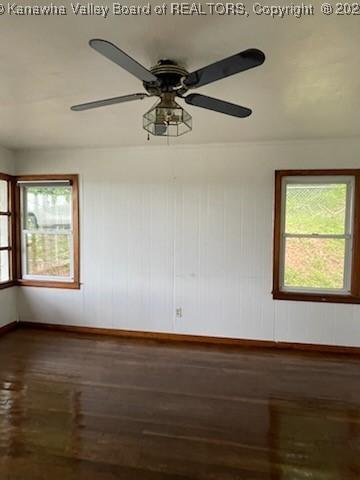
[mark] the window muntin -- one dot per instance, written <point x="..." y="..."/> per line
<point x="316" y="234"/>
<point x="6" y="237"/>
<point x="47" y="231"/>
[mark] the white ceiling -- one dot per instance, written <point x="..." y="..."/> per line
<point x="307" y="88"/>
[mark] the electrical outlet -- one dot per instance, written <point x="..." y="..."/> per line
<point x="179" y="312"/>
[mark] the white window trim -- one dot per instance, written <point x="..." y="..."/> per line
<point x="24" y="232"/>
<point x="348" y="235"/>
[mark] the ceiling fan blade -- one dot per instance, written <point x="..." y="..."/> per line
<point x="113" y="53"/>
<point x="217" y="105"/>
<point x="109" y="101"/>
<point x="224" y="68"/>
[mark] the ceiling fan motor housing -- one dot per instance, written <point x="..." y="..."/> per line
<point x="170" y="77"/>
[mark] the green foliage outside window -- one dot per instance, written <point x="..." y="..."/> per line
<point x="319" y="209"/>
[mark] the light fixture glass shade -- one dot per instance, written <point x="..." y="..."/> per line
<point x="167" y="119"/>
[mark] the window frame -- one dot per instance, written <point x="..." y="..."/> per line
<point x="11" y="248"/>
<point x="352" y="295"/>
<point x="75" y="250"/>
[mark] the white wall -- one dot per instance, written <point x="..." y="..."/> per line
<point x="186" y="227"/>
<point x="8" y="312"/>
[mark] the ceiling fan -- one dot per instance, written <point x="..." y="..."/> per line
<point x="168" y="80"/>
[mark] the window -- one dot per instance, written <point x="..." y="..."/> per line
<point x="316" y="244"/>
<point x="7" y="250"/>
<point x="48" y="231"/>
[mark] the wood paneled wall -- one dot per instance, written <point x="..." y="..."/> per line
<point x="164" y="228"/>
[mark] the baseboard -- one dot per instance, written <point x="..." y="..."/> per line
<point x="8" y="328"/>
<point x="199" y="339"/>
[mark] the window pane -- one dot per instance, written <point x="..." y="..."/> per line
<point x="48" y="255"/>
<point x="47" y="207"/>
<point x="3" y="196"/>
<point x="315" y="208"/>
<point x="4" y="235"/>
<point x="314" y="263"/>
<point x="4" y="266"/>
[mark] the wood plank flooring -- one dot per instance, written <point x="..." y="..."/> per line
<point x="98" y="408"/>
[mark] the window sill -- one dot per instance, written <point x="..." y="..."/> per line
<point x="7" y="285"/>
<point x="315" y="297"/>
<point x="48" y="284"/>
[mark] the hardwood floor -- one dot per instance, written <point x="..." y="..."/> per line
<point x="97" y="408"/>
